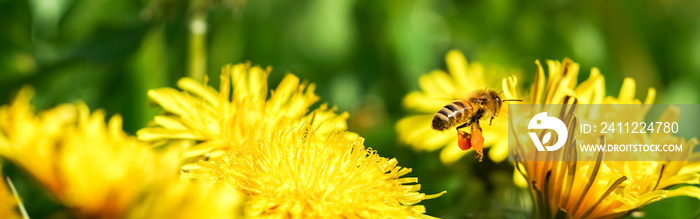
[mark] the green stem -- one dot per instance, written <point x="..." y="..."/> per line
<point x="17" y="198"/>
<point x="198" y="50"/>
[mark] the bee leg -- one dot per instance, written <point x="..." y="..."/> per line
<point x="464" y="134"/>
<point x="491" y="120"/>
<point x="460" y="131"/>
<point x="476" y="124"/>
<point x="463" y="125"/>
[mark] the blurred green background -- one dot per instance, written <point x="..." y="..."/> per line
<point x="364" y="56"/>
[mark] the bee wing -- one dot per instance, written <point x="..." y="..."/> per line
<point x="448" y="98"/>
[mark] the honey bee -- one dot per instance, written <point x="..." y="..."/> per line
<point x="478" y="105"/>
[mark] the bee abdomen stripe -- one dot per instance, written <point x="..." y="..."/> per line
<point x="452" y="107"/>
<point x="444" y="111"/>
<point x="441" y="117"/>
<point x="461" y="105"/>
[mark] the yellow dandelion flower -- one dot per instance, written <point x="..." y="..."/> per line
<point x="19" y="141"/>
<point x="437" y="90"/>
<point x="222" y="120"/>
<point x="287" y="161"/>
<point x="600" y="189"/>
<point x="297" y="175"/>
<point x="93" y="168"/>
<point x="177" y="199"/>
<point x="562" y="82"/>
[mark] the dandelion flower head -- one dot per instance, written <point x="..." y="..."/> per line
<point x="296" y="174"/>
<point x="222" y="120"/>
<point x="287" y="161"/>
<point x="90" y="166"/>
<point x="600" y="189"/>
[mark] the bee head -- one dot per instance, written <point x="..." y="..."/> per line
<point x="495" y="105"/>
